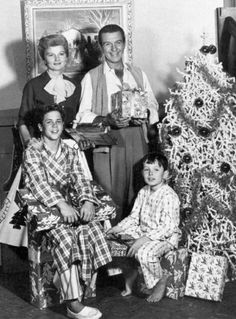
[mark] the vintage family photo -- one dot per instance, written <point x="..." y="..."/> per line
<point x="118" y="159"/>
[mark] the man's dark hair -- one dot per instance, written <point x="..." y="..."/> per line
<point x="153" y="157"/>
<point x="110" y="28"/>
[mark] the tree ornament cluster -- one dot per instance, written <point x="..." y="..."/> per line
<point x="205" y="49"/>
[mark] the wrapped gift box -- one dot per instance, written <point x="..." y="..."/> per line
<point x="117" y="249"/>
<point x="42" y="217"/>
<point x="134" y="104"/>
<point x="130" y="103"/>
<point x="175" y="264"/>
<point x="206" y="277"/>
<point x="43" y="292"/>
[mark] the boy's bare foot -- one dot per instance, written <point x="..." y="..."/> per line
<point x="126" y="292"/>
<point x="158" y="291"/>
<point x="130" y="277"/>
<point x="89" y="293"/>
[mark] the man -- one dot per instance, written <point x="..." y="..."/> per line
<point x="113" y="167"/>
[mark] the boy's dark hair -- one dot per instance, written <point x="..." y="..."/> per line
<point x="39" y="113"/>
<point x="52" y="40"/>
<point x="150" y="158"/>
<point x="110" y="28"/>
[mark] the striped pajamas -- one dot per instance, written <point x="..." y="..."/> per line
<point x="155" y="215"/>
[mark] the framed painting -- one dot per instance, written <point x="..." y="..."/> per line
<point x="79" y="21"/>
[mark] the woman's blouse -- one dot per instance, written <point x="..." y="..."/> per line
<point x="35" y="95"/>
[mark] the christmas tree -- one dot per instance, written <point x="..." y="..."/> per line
<point x="198" y="135"/>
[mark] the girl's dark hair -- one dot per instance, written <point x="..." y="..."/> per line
<point x="150" y="158"/>
<point x="52" y="40"/>
<point x="110" y="28"/>
<point x="40" y="112"/>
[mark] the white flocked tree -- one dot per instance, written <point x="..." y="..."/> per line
<point x="198" y="135"/>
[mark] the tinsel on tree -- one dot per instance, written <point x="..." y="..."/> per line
<point x="198" y="135"/>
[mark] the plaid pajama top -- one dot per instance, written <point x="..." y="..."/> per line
<point x="47" y="176"/>
<point x="154" y="214"/>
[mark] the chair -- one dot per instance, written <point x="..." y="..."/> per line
<point x="174" y="263"/>
<point x="43" y="292"/>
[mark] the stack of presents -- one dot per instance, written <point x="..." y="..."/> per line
<point x="197" y="275"/>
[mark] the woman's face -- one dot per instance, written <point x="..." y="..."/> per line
<point x="52" y="126"/>
<point x="55" y="58"/>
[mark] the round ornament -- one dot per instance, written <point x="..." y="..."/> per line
<point x="225" y="167"/>
<point x="198" y="102"/>
<point x="204" y="131"/>
<point x="212" y="49"/>
<point x="204" y="49"/>
<point x="175" y="131"/>
<point x="187" y="158"/>
<point x="187" y="212"/>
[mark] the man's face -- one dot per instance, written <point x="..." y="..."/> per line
<point x="113" y="47"/>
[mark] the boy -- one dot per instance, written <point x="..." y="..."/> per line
<point x="78" y="246"/>
<point x="153" y="225"/>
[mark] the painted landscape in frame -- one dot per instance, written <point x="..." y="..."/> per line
<point x="79" y="21"/>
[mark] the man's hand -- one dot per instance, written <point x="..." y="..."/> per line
<point x="70" y="215"/>
<point x="136" y="245"/>
<point x="84" y="143"/>
<point x="87" y="211"/>
<point x="115" y="120"/>
<point x="137" y="122"/>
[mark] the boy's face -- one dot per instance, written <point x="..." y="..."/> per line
<point x="52" y="126"/>
<point x="153" y="174"/>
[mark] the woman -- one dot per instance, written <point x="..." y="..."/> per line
<point x="49" y="173"/>
<point x="52" y="86"/>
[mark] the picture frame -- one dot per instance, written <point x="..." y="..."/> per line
<point x="79" y="21"/>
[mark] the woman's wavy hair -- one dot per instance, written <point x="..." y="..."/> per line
<point x="52" y="40"/>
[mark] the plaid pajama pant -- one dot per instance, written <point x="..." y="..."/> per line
<point x="84" y="245"/>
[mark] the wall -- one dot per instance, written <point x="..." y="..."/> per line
<point x="164" y="32"/>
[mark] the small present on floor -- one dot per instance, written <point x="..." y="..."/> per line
<point x="206" y="276"/>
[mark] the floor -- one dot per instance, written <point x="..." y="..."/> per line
<point x="14" y="303"/>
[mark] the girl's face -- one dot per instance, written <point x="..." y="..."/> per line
<point x="153" y="174"/>
<point x="52" y="126"/>
<point x="55" y="58"/>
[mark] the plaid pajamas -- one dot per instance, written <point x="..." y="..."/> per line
<point x="83" y="245"/>
<point x="48" y="177"/>
<point x="156" y="216"/>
